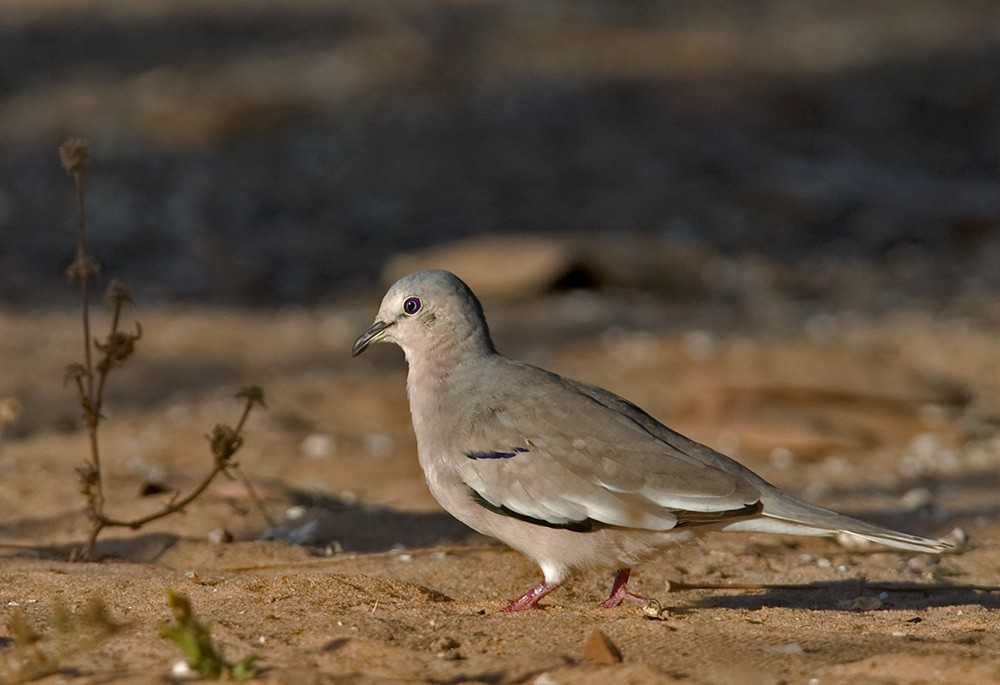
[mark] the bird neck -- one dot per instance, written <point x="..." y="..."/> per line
<point x="439" y="374"/>
<point x="436" y="365"/>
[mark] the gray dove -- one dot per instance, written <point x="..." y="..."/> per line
<point x="569" y="474"/>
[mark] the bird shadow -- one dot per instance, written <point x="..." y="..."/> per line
<point x="326" y="520"/>
<point x="143" y="548"/>
<point x="851" y="596"/>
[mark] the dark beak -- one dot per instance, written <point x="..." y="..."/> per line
<point x="372" y="335"/>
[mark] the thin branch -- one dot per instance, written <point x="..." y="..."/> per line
<point x="252" y="491"/>
<point x="75" y="155"/>
<point x="173" y="507"/>
<point x="225" y="442"/>
<point x="90" y="379"/>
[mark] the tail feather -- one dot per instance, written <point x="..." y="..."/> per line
<point x="787" y="515"/>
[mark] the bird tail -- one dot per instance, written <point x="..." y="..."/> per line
<point x="787" y="515"/>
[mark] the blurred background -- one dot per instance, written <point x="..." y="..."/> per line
<point x="829" y="154"/>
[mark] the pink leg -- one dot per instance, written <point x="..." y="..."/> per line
<point x="619" y="591"/>
<point x="529" y="600"/>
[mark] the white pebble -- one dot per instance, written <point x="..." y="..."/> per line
<point x="294" y="513"/>
<point x="699" y="345"/>
<point x="916" y="498"/>
<point x="781" y="457"/>
<point x="181" y="670"/>
<point x="378" y="444"/>
<point x="318" y="446"/>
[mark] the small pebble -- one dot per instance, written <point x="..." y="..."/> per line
<point x="446" y="643"/>
<point x="957" y="537"/>
<point x="378" y="445"/>
<point x="318" y="446"/>
<point x="294" y="513"/>
<point x="916" y="498"/>
<point x="653" y="609"/>
<point x="789" y="648"/>
<point x="781" y="458"/>
<point x="220" y="536"/>
<point x="182" y="671"/>
<point x="699" y="345"/>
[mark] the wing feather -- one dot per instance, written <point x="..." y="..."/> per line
<point x="584" y="454"/>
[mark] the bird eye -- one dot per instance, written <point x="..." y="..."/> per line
<point x="411" y="306"/>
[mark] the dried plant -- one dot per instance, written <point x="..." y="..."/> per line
<point x="90" y="378"/>
<point x="35" y="653"/>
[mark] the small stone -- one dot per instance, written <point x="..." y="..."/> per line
<point x="957" y="537"/>
<point x="447" y="642"/>
<point x="916" y="498"/>
<point x="699" y="345"/>
<point x="378" y="445"/>
<point x="787" y="648"/>
<point x="447" y="649"/>
<point x="854" y="542"/>
<point x="220" y="536"/>
<point x="180" y="670"/>
<point x="781" y="458"/>
<point x="318" y="446"/>
<point x="601" y="650"/>
<point x="653" y="609"/>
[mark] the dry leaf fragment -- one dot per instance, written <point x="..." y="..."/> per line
<point x="600" y="649"/>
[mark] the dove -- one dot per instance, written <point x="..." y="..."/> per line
<point x="572" y="476"/>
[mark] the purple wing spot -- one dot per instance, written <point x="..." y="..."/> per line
<point x="492" y="454"/>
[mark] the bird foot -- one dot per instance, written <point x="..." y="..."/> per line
<point x="620" y="593"/>
<point x="529" y="600"/>
<point x="617" y="598"/>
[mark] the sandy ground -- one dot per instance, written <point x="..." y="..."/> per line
<point x="890" y="419"/>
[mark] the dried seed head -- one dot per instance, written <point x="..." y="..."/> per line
<point x="74" y="154"/>
<point x="74" y="372"/>
<point x="117" y="348"/>
<point x="225" y="441"/>
<point x="118" y="295"/>
<point x="83" y="268"/>
<point x="253" y="394"/>
<point x="88" y="474"/>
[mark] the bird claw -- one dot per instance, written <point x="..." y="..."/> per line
<point x="529" y="600"/>
<point x="623" y="595"/>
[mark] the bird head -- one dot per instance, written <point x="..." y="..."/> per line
<point x="428" y="310"/>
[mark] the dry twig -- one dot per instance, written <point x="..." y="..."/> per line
<point x="90" y="379"/>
